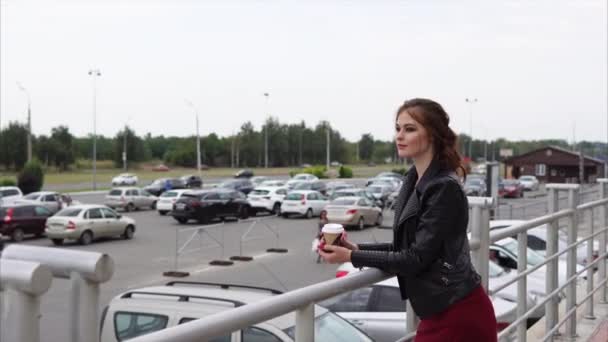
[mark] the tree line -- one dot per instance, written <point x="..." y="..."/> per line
<point x="288" y="145"/>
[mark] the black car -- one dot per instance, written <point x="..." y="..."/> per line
<point x="162" y="184"/>
<point x="192" y="181"/>
<point x="244" y="174"/>
<point x="312" y="185"/>
<point x="242" y="185"/>
<point x="205" y="205"/>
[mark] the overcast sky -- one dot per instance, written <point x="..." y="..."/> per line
<point x="537" y="68"/>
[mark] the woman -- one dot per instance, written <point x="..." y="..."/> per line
<point x="430" y="250"/>
<point x="322" y="221"/>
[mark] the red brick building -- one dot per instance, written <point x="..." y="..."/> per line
<point x="554" y="164"/>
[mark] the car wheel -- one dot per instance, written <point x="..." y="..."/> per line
<point x="244" y="213"/>
<point x="86" y="238"/>
<point x="162" y="212"/>
<point x="57" y="242"/>
<point x="379" y="219"/>
<point x="129" y="207"/>
<point x="276" y="209"/>
<point x="128" y="234"/>
<point x="153" y="206"/>
<point x="17" y="235"/>
<point x="361" y="223"/>
<point x="181" y="220"/>
<point x="284" y="215"/>
<point x="308" y="214"/>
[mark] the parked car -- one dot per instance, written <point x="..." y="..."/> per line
<point x="9" y="194"/>
<point x="142" y="311"/>
<point x="192" y="181"/>
<point x="267" y="199"/>
<point x="167" y="199"/>
<point x="205" y="205"/>
<point x="273" y="182"/>
<point x="130" y="199"/>
<point x="312" y="185"/>
<point x="475" y="186"/>
<point x="356" y="212"/>
<point x="242" y="185"/>
<point x="87" y="222"/>
<point x="392" y="183"/>
<point x="356" y="192"/>
<point x="163" y="184"/>
<point x="380" y="192"/>
<point x="510" y="188"/>
<point x="380" y="312"/>
<point x="394" y="178"/>
<point x="258" y="180"/>
<point x="160" y="168"/>
<point x="530" y="183"/>
<point x="125" y="179"/>
<point x="51" y="200"/>
<point x="19" y="220"/>
<point x="246" y="173"/>
<point x="299" y="178"/>
<point x="307" y="203"/>
<point x="333" y="186"/>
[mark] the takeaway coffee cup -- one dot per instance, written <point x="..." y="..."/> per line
<point x="332" y="233"/>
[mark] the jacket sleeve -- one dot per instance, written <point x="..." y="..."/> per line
<point x="439" y="215"/>
<point x="386" y="247"/>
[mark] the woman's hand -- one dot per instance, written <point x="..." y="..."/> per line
<point x="347" y="244"/>
<point x="335" y="254"/>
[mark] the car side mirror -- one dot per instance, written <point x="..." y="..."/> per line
<point x="118" y="216"/>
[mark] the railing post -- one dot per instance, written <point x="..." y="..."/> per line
<point x="573" y="201"/>
<point x="603" y="240"/>
<point x="480" y="231"/>
<point x="589" y="313"/>
<point x="24" y="283"/>
<point x="305" y="323"/>
<point x="411" y="322"/>
<point x="552" y="305"/>
<point x="522" y="292"/>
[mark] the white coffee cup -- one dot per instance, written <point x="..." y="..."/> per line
<point x="332" y="232"/>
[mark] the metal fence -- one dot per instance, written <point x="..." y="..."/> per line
<point x="25" y="274"/>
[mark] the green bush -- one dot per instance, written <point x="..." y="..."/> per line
<point x="7" y="182"/>
<point x="345" y="172"/>
<point x="318" y="171"/>
<point x="401" y="171"/>
<point x="31" y="178"/>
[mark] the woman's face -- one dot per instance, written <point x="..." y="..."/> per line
<point x="411" y="137"/>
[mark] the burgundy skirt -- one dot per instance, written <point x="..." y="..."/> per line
<point x="470" y="319"/>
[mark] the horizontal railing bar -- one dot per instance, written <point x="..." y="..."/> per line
<point x="589" y="295"/>
<point x="407" y="337"/>
<point x="180" y="230"/>
<point x="246" y="315"/>
<point x="499" y="234"/>
<point x="591" y="205"/>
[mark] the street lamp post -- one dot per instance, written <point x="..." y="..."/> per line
<point x="198" y="139"/>
<point x="471" y="102"/>
<point x="29" y="122"/>
<point x="327" y="128"/>
<point x="95" y="73"/>
<point x="267" y="96"/>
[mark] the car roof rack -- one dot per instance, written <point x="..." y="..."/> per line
<point x="224" y="286"/>
<point x="181" y="297"/>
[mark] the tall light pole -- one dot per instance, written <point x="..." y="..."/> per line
<point x="198" y="139"/>
<point x="29" y="122"/>
<point x="471" y="102"/>
<point x="95" y="73"/>
<point x="124" y="146"/>
<point x="327" y="128"/>
<point x="267" y="96"/>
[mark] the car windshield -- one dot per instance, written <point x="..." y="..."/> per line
<point x="169" y="194"/>
<point x="159" y="182"/>
<point x="301" y="177"/>
<point x="303" y="186"/>
<point x="329" y="327"/>
<point x="69" y="212"/>
<point x="494" y="270"/>
<point x="33" y="196"/>
<point x="259" y="192"/>
<point x="343" y="201"/>
<point x="294" y="196"/>
<point x="374" y="189"/>
<point x="509" y="182"/>
<point x="533" y="257"/>
<point x="473" y="181"/>
<point x="228" y="184"/>
<point x="116" y="192"/>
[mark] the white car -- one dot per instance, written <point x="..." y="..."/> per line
<point x="300" y="177"/>
<point x="86" y="223"/>
<point x="130" y="198"/>
<point x="51" y="200"/>
<point x="307" y="203"/>
<point x="529" y="182"/>
<point x="264" y="198"/>
<point x="9" y="195"/>
<point x="167" y="199"/>
<point x="379" y="310"/>
<point x="537" y="240"/>
<point x="274" y="183"/>
<point x="125" y="179"/>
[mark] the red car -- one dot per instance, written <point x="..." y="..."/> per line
<point x="20" y="220"/>
<point x="511" y="188"/>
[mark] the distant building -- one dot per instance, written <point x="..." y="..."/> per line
<point x="554" y="164"/>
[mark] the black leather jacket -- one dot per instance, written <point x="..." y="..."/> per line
<point x="430" y="251"/>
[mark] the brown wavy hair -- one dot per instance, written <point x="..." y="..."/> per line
<point x="436" y="121"/>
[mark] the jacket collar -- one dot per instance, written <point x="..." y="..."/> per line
<point x="430" y="173"/>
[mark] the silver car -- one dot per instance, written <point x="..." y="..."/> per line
<point x="86" y="223"/>
<point x="51" y="200"/>
<point x="130" y="198"/>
